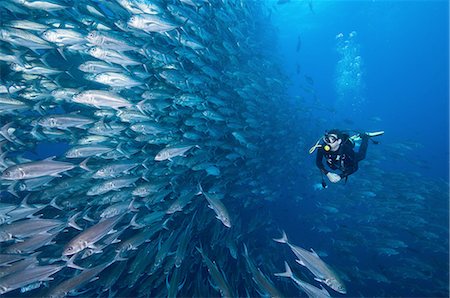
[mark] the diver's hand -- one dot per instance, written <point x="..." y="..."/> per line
<point x="334" y="177"/>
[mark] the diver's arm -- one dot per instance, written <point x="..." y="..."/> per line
<point x="319" y="162"/>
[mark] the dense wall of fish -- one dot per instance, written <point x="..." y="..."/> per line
<point x="159" y="110"/>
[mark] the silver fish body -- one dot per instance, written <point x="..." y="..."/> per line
<point x="171" y="152"/>
<point x="101" y="99"/>
<point x="35" y="169"/>
<point x="315" y="264"/>
<point x="91" y="235"/>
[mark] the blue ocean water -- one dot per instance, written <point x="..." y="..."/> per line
<point x="403" y="46"/>
<point x="353" y="65"/>
<point x="372" y="65"/>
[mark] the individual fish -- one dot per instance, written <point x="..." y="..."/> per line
<point x="92" y="139"/>
<point x="96" y="67"/>
<point x="148" y="219"/>
<point x="24" y="211"/>
<point x="181" y="202"/>
<point x="149" y="127"/>
<point x="163" y="251"/>
<point x="140" y="264"/>
<point x="27" y="227"/>
<point x="91" y="235"/>
<point x="115" y="80"/>
<point x="10" y="104"/>
<point x="84" y="151"/>
<point x="221" y="283"/>
<point x="7" y="259"/>
<point x="31" y="275"/>
<point x="23" y="38"/>
<point x="64" y="121"/>
<point x="183" y="244"/>
<point x="41" y="5"/>
<point x="35" y="69"/>
<point x="118" y="208"/>
<point x="108" y="40"/>
<point x="314" y="263"/>
<point x="101" y="99"/>
<point x="27" y="25"/>
<point x="260" y="279"/>
<point x="63" y="37"/>
<point x="151" y="23"/>
<point x="140" y="6"/>
<point x="112" y="184"/>
<point x="31" y="244"/>
<point x="112" y="277"/>
<point x="170" y="152"/>
<point x="63" y="288"/>
<point x="19" y="266"/>
<point x="173" y="286"/>
<point x="310" y="290"/>
<point x="138" y="239"/>
<point x="218" y="207"/>
<point x="114" y="170"/>
<point x="35" y="169"/>
<point x="112" y="56"/>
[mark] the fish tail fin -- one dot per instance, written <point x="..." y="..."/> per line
<point x="11" y="189"/>
<point x="2" y="156"/>
<point x="287" y="272"/>
<point x="72" y="221"/>
<point x="71" y="264"/>
<point x="140" y="104"/>
<point x="200" y="189"/>
<point x="245" y="250"/>
<point x="164" y="225"/>
<point x="24" y="202"/>
<point x="131" y="206"/>
<point x="199" y="249"/>
<point x="283" y="238"/>
<point x="54" y="204"/>
<point x="134" y="224"/>
<point x="84" y="166"/>
<point x="4" y="132"/>
<point x="121" y="150"/>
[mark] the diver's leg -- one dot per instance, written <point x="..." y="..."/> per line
<point x="363" y="147"/>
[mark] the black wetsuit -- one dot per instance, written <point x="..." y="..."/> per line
<point x="344" y="159"/>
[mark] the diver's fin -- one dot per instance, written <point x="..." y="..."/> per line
<point x="375" y="134"/>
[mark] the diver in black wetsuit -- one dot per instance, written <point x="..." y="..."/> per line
<point x="337" y="148"/>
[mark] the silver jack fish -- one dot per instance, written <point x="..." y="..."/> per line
<point x="322" y="272"/>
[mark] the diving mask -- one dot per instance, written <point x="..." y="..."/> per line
<point x="330" y="138"/>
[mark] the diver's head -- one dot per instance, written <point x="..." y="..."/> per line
<point x="332" y="140"/>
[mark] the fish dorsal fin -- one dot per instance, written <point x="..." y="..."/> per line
<point x="314" y="253"/>
<point x="319" y="279"/>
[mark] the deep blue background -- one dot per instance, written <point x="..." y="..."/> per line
<point x="404" y="48"/>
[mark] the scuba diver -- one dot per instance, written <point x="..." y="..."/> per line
<point x="337" y="147"/>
